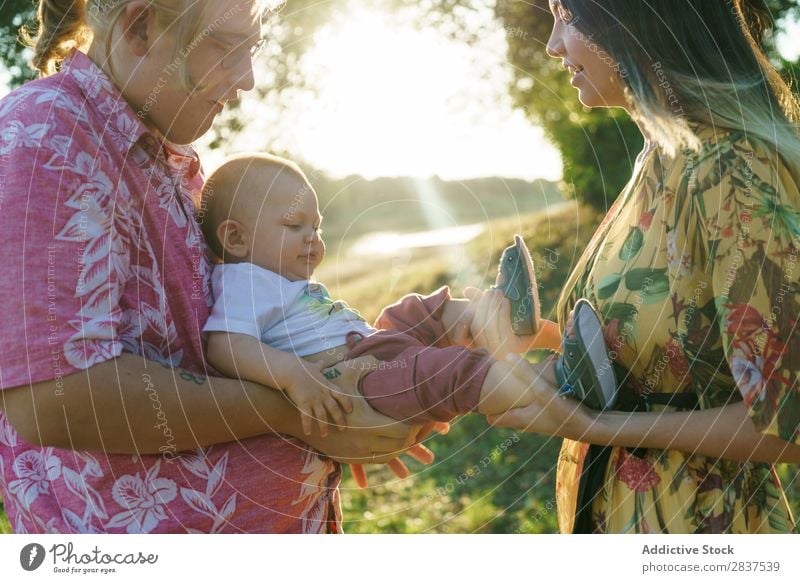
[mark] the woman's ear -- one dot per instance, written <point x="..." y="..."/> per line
<point x="232" y="237"/>
<point x="138" y="22"/>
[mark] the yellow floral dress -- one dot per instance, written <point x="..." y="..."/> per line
<point x="695" y="272"/>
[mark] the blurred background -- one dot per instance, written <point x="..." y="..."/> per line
<point x="433" y="131"/>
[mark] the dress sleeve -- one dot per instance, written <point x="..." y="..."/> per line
<point x="65" y="236"/>
<point x="748" y="205"/>
<point x="247" y="300"/>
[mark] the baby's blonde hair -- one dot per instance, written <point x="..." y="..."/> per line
<point x="229" y="191"/>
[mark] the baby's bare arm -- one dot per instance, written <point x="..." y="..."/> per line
<point x="246" y="357"/>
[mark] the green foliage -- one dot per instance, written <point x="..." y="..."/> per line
<point x="14" y="14"/>
<point x="353" y="206"/>
<point x="5" y="526"/>
<point x="484" y="480"/>
<point x="598" y="147"/>
<point x="556" y="240"/>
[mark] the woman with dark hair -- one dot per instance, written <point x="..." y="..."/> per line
<point x="695" y="272"/>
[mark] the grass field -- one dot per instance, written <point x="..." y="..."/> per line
<point x="484" y="479"/>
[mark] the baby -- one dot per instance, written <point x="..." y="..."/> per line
<point x="271" y="322"/>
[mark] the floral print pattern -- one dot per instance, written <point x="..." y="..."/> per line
<point x="695" y="270"/>
<point x="145" y="500"/>
<point x="34" y="470"/>
<point x="105" y="255"/>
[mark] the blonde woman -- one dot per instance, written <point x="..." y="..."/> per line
<point x="106" y="289"/>
<point x="696" y="270"/>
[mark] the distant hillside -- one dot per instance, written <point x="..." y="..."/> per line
<point x="556" y="238"/>
<point x="354" y="206"/>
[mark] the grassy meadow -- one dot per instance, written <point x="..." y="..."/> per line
<point x="484" y="479"/>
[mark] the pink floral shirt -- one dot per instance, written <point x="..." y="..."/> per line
<point x="104" y="255"/>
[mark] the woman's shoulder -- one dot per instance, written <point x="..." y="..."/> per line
<point x="740" y="181"/>
<point x="732" y="160"/>
<point x="42" y="100"/>
<point x="74" y="102"/>
<point x="730" y="148"/>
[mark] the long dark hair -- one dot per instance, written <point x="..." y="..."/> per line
<point x="685" y="63"/>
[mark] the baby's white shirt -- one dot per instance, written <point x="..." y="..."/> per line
<point x="293" y="316"/>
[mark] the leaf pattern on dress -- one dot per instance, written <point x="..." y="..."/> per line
<point x="708" y="302"/>
<point x="8" y="435"/>
<point x="17" y="135"/>
<point x="78" y="485"/>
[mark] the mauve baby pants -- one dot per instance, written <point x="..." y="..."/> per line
<point x="422" y="377"/>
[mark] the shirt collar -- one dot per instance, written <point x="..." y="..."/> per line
<point x="126" y="127"/>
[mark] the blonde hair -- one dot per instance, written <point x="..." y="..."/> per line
<point x="64" y="25"/>
<point x="61" y="28"/>
<point x="229" y="190"/>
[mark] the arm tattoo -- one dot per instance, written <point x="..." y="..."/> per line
<point x="190" y="376"/>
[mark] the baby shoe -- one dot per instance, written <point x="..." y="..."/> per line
<point x="584" y="370"/>
<point x="517" y="280"/>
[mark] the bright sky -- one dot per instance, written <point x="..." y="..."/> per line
<point x="789" y="41"/>
<point x="402" y="101"/>
<point x="394" y="100"/>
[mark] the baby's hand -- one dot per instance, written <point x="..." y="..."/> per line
<point x="317" y="398"/>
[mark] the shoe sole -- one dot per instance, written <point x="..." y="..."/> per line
<point x="531" y="293"/>
<point x="589" y="335"/>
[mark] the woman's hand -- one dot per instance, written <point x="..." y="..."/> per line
<point x="550" y="413"/>
<point x="491" y="326"/>
<point x="370" y="437"/>
<point x="418" y="451"/>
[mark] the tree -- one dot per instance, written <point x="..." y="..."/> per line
<point x="13" y="15"/>
<point x="541" y="88"/>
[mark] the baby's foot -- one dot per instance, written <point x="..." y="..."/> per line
<point x="516" y="278"/>
<point x="584" y="369"/>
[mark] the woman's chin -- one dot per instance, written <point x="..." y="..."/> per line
<point x="592" y="100"/>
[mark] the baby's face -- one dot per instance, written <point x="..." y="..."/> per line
<point x="286" y="235"/>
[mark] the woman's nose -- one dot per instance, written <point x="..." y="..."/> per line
<point x="246" y="80"/>
<point x="554" y="47"/>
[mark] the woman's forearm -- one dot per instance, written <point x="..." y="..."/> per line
<point x="721" y="432"/>
<point x="131" y="405"/>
